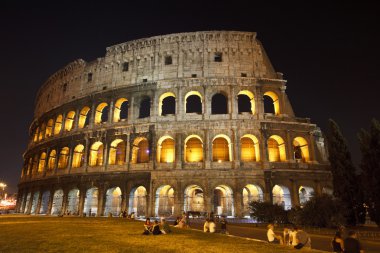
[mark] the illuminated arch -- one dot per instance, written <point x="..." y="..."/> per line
<point x="305" y="194"/>
<point x="117" y="152"/>
<point x="42" y="162"/>
<point x="276" y="149"/>
<point x="275" y="101"/>
<point x="90" y="206"/>
<point x="83" y="117"/>
<point x="251" y="97"/>
<point x="56" y="207"/>
<point x="73" y="201"/>
<point x="164" y="206"/>
<point x="63" y="159"/>
<point x="49" y="128"/>
<point x="96" y="154"/>
<point x="101" y="114"/>
<point x="196" y="105"/>
<point x="52" y="159"/>
<point x="251" y="192"/>
<point x="42" y="132"/>
<point x="166" y="149"/>
<point x="161" y="112"/>
<point x="69" y="121"/>
<point x="193" y="149"/>
<point x="281" y="196"/>
<point x="113" y="202"/>
<point x="35" y="137"/>
<point x="194" y="199"/>
<point x="138" y="200"/>
<point x="78" y="157"/>
<point x="221" y="148"/>
<point x="58" y="124"/>
<point x="140" y="150"/>
<point x="121" y="110"/>
<point x="301" y="149"/>
<point x="44" y="202"/>
<point x="223" y="201"/>
<point x="250" y="151"/>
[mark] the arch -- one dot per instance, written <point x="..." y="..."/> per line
<point x="27" y="201"/>
<point x="221" y="148"/>
<point x="251" y="192"/>
<point x="166" y="104"/>
<point x="63" y="159"/>
<point x="36" y="196"/>
<point x="281" y="196"/>
<point x="35" y="136"/>
<point x="44" y="202"/>
<point x="78" y="157"/>
<point x="246" y="102"/>
<point x="137" y="201"/>
<point x="140" y="150"/>
<point x="301" y="149"/>
<point x="164" y="205"/>
<point x="271" y="103"/>
<point x="73" y="201"/>
<point x="276" y="149"/>
<point x="101" y="113"/>
<point x="305" y="193"/>
<point x="120" y="112"/>
<point x="84" y="119"/>
<point x="223" y="201"/>
<point x="90" y="206"/>
<point x="42" y="162"/>
<point x="52" y="159"/>
<point x="250" y="150"/>
<point x="58" y="124"/>
<point x="69" y="121"/>
<point x="113" y="202"/>
<point x="42" y="132"/>
<point x="96" y="154"/>
<point x="166" y="149"/>
<point x="193" y="149"/>
<point x="219" y="104"/>
<point x="194" y="199"/>
<point x="49" y="128"/>
<point x="56" y="207"/>
<point x="35" y="165"/>
<point x="117" y="152"/>
<point x="193" y="102"/>
<point x="30" y="166"/>
<point x="144" y="110"/>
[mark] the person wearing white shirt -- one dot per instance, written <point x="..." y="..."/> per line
<point x="272" y="237"/>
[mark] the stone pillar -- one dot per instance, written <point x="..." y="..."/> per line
<point x="318" y="188"/>
<point x="76" y="119"/>
<point x="86" y="152"/>
<point x="50" y="204"/>
<point x="289" y="147"/>
<point x="268" y="196"/>
<point x="282" y="100"/>
<point x="64" y="201"/>
<point x="124" y="202"/>
<point x="23" y="204"/>
<point x="259" y="103"/>
<point x="294" y="193"/>
<point x="178" y="200"/>
<point x="238" y="203"/>
<point x="70" y="162"/>
<point x="82" y="195"/>
<point x="236" y="149"/>
<point x="179" y="111"/>
<point x="29" y="207"/>
<point x="38" y="207"/>
<point x="207" y="152"/>
<point x="312" y="147"/>
<point x="131" y="109"/>
<point x="178" y="151"/>
<point x="148" y="206"/>
<point x="127" y="150"/>
<point x="105" y="154"/>
<point x="92" y="116"/>
<point x="56" y="160"/>
<point x="101" y="197"/>
<point x="110" y="112"/>
<point x="232" y="104"/>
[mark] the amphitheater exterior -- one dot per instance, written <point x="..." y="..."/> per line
<point x="194" y="121"/>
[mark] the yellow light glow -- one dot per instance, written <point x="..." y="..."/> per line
<point x="99" y="112"/>
<point x="276" y="102"/>
<point x="162" y="97"/>
<point x="78" y="156"/>
<point x="69" y="121"/>
<point x="117" y="109"/>
<point x="251" y="97"/>
<point x="166" y="149"/>
<point x="193" y="149"/>
<point x="304" y="147"/>
<point x="58" y="124"/>
<point x="83" y="116"/>
<point x="276" y="149"/>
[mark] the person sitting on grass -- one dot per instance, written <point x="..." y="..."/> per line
<point x="337" y="243"/>
<point x="303" y="239"/>
<point x="212" y="226"/>
<point x="165" y="227"/>
<point x="147" y="227"/>
<point x="177" y="220"/>
<point x="206" y="226"/>
<point x="272" y="237"/>
<point x="156" y="228"/>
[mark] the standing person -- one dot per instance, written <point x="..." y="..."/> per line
<point x="303" y="239"/>
<point x="352" y="244"/>
<point x="272" y="237"/>
<point x="223" y="225"/>
<point x="206" y="226"/>
<point x="337" y="243"/>
<point x="286" y="236"/>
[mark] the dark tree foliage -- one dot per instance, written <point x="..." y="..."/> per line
<point x="345" y="183"/>
<point x="370" y="165"/>
<point x="268" y="212"/>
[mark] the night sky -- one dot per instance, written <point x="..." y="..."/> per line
<point x="329" y="53"/>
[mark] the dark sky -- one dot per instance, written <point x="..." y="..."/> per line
<point x="328" y="52"/>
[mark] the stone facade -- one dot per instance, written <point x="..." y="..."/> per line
<point x="121" y="132"/>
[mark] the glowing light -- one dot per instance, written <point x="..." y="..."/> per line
<point x="219" y="161"/>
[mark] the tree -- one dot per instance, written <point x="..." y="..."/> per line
<point x="268" y="212"/>
<point x="370" y="165"/>
<point x="345" y="179"/>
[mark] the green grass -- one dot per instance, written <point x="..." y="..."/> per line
<point x="72" y="234"/>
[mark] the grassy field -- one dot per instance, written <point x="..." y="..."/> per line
<point x="73" y="234"/>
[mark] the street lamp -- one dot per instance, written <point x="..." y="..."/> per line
<point x="2" y="185"/>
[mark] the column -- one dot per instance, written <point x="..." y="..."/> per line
<point x="50" y="204"/>
<point x="238" y="203"/>
<point x="206" y="150"/>
<point x="110" y="112"/>
<point x="312" y="147"/>
<point x="64" y="202"/>
<point x="92" y="116"/>
<point x="178" y="200"/>
<point x="86" y="152"/>
<point x="76" y="120"/>
<point x="100" y="201"/>
<point x="178" y="151"/>
<point x="294" y="193"/>
<point x="82" y="195"/>
<point x="38" y="207"/>
<point x="268" y="196"/>
<point x="236" y="149"/>
<point x="105" y="154"/>
<point x="127" y="150"/>
<point x="289" y="147"/>
<point x="69" y="165"/>
<point x="131" y="108"/>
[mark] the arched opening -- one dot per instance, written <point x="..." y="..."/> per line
<point x="271" y="103"/>
<point x="44" y="202"/>
<point x="140" y="150"/>
<point x="193" y="149"/>
<point x="166" y="104"/>
<point x="121" y="110"/>
<point x="101" y="113"/>
<point x="144" y="108"/>
<point x="78" y="157"/>
<point x="63" y="159"/>
<point x="42" y="162"/>
<point x="30" y="166"/>
<point x="221" y="148"/>
<point x="250" y="151"/>
<point x="281" y="196"/>
<point x="35" y="136"/>
<point x="49" y="128"/>
<point x="58" y="124"/>
<point x="27" y="201"/>
<point x="164" y="201"/>
<point x="276" y="149"/>
<point x="73" y="202"/>
<point x="137" y="201"/>
<point x="251" y="193"/>
<point x="84" y="119"/>
<point x="166" y="150"/>
<point x="193" y="102"/>
<point x="219" y="104"/>
<point x="96" y="154"/>
<point x="113" y="202"/>
<point x="56" y="207"/>
<point x="301" y="149"/>
<point x="117" y="152"/>
<point x="246" y="102"/>
<point x="52" y="159"/>
<point x="194" y="199"/>
<point x="223" y="201"/>
<point x="305" y="194"/>
<point x="90" y="207"/>
<point x="33" y="210"/>
<point x="69" y="122"/>
<point x="42" y="132"/>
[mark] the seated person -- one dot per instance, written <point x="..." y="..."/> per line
<point x="165" y="227"/>
<point x="148" y="226"/>
<point x="272" y="237"/>
<point x="177" y="221"/>
<point x="212" y="226"/>
<point x="156" y="228"/>
<point x="206" y="226"/>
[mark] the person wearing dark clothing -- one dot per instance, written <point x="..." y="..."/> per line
<point x="337" y="243"/>
<point x="352" y="244"/>
<point x="156" y="228"/>
<point x="223" y="225"/>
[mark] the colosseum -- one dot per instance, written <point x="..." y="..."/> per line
<point x="195" y="122"/>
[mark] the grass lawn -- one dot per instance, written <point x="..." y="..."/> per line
<point x="74" y="234"/>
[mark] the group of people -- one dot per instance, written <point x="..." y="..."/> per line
<point x="210" y="226"/>
<point x="346" y="242"/>
<point x="125" y="215"/>
<point x="182" y="222"/>
<point x="154" y="227"/>
<point x="292" y="236"/>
